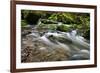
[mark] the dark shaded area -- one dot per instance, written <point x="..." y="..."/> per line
<point x="32" y="18"/>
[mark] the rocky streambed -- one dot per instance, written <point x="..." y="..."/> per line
<point x="42" y="46"/>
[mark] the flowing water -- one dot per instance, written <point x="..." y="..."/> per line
<point x="70" y="43"/>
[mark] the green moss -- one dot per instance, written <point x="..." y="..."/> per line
<point x="23" y="23"/>
<point x="63" y="28"/>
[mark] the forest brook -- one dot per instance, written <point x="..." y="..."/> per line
<point x="54" y="36"/>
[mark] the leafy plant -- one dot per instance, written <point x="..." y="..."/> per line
<point x="23" y="23"/>
<point x="62" y="28"/>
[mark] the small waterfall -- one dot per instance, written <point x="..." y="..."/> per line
<point x="69" y="41"/>
<point x="46" y="41"/>
<point x="73" y="33"/>
<point x="76" y="40"/>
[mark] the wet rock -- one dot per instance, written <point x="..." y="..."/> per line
<point x="81" y="55"/>
<point x="36" y="51"/>
<point x="50" y="46"/>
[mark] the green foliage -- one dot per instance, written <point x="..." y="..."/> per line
<point x="62" y="17"/>
<point x="48" y="22"/>
<point x="24" y="14"/>
<point x="63" y="28"/>
<point x="79" y="21"/>
<point x="52" y="26"/>
<point x="23" y="23"/>
<point x="47" y="26"/>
